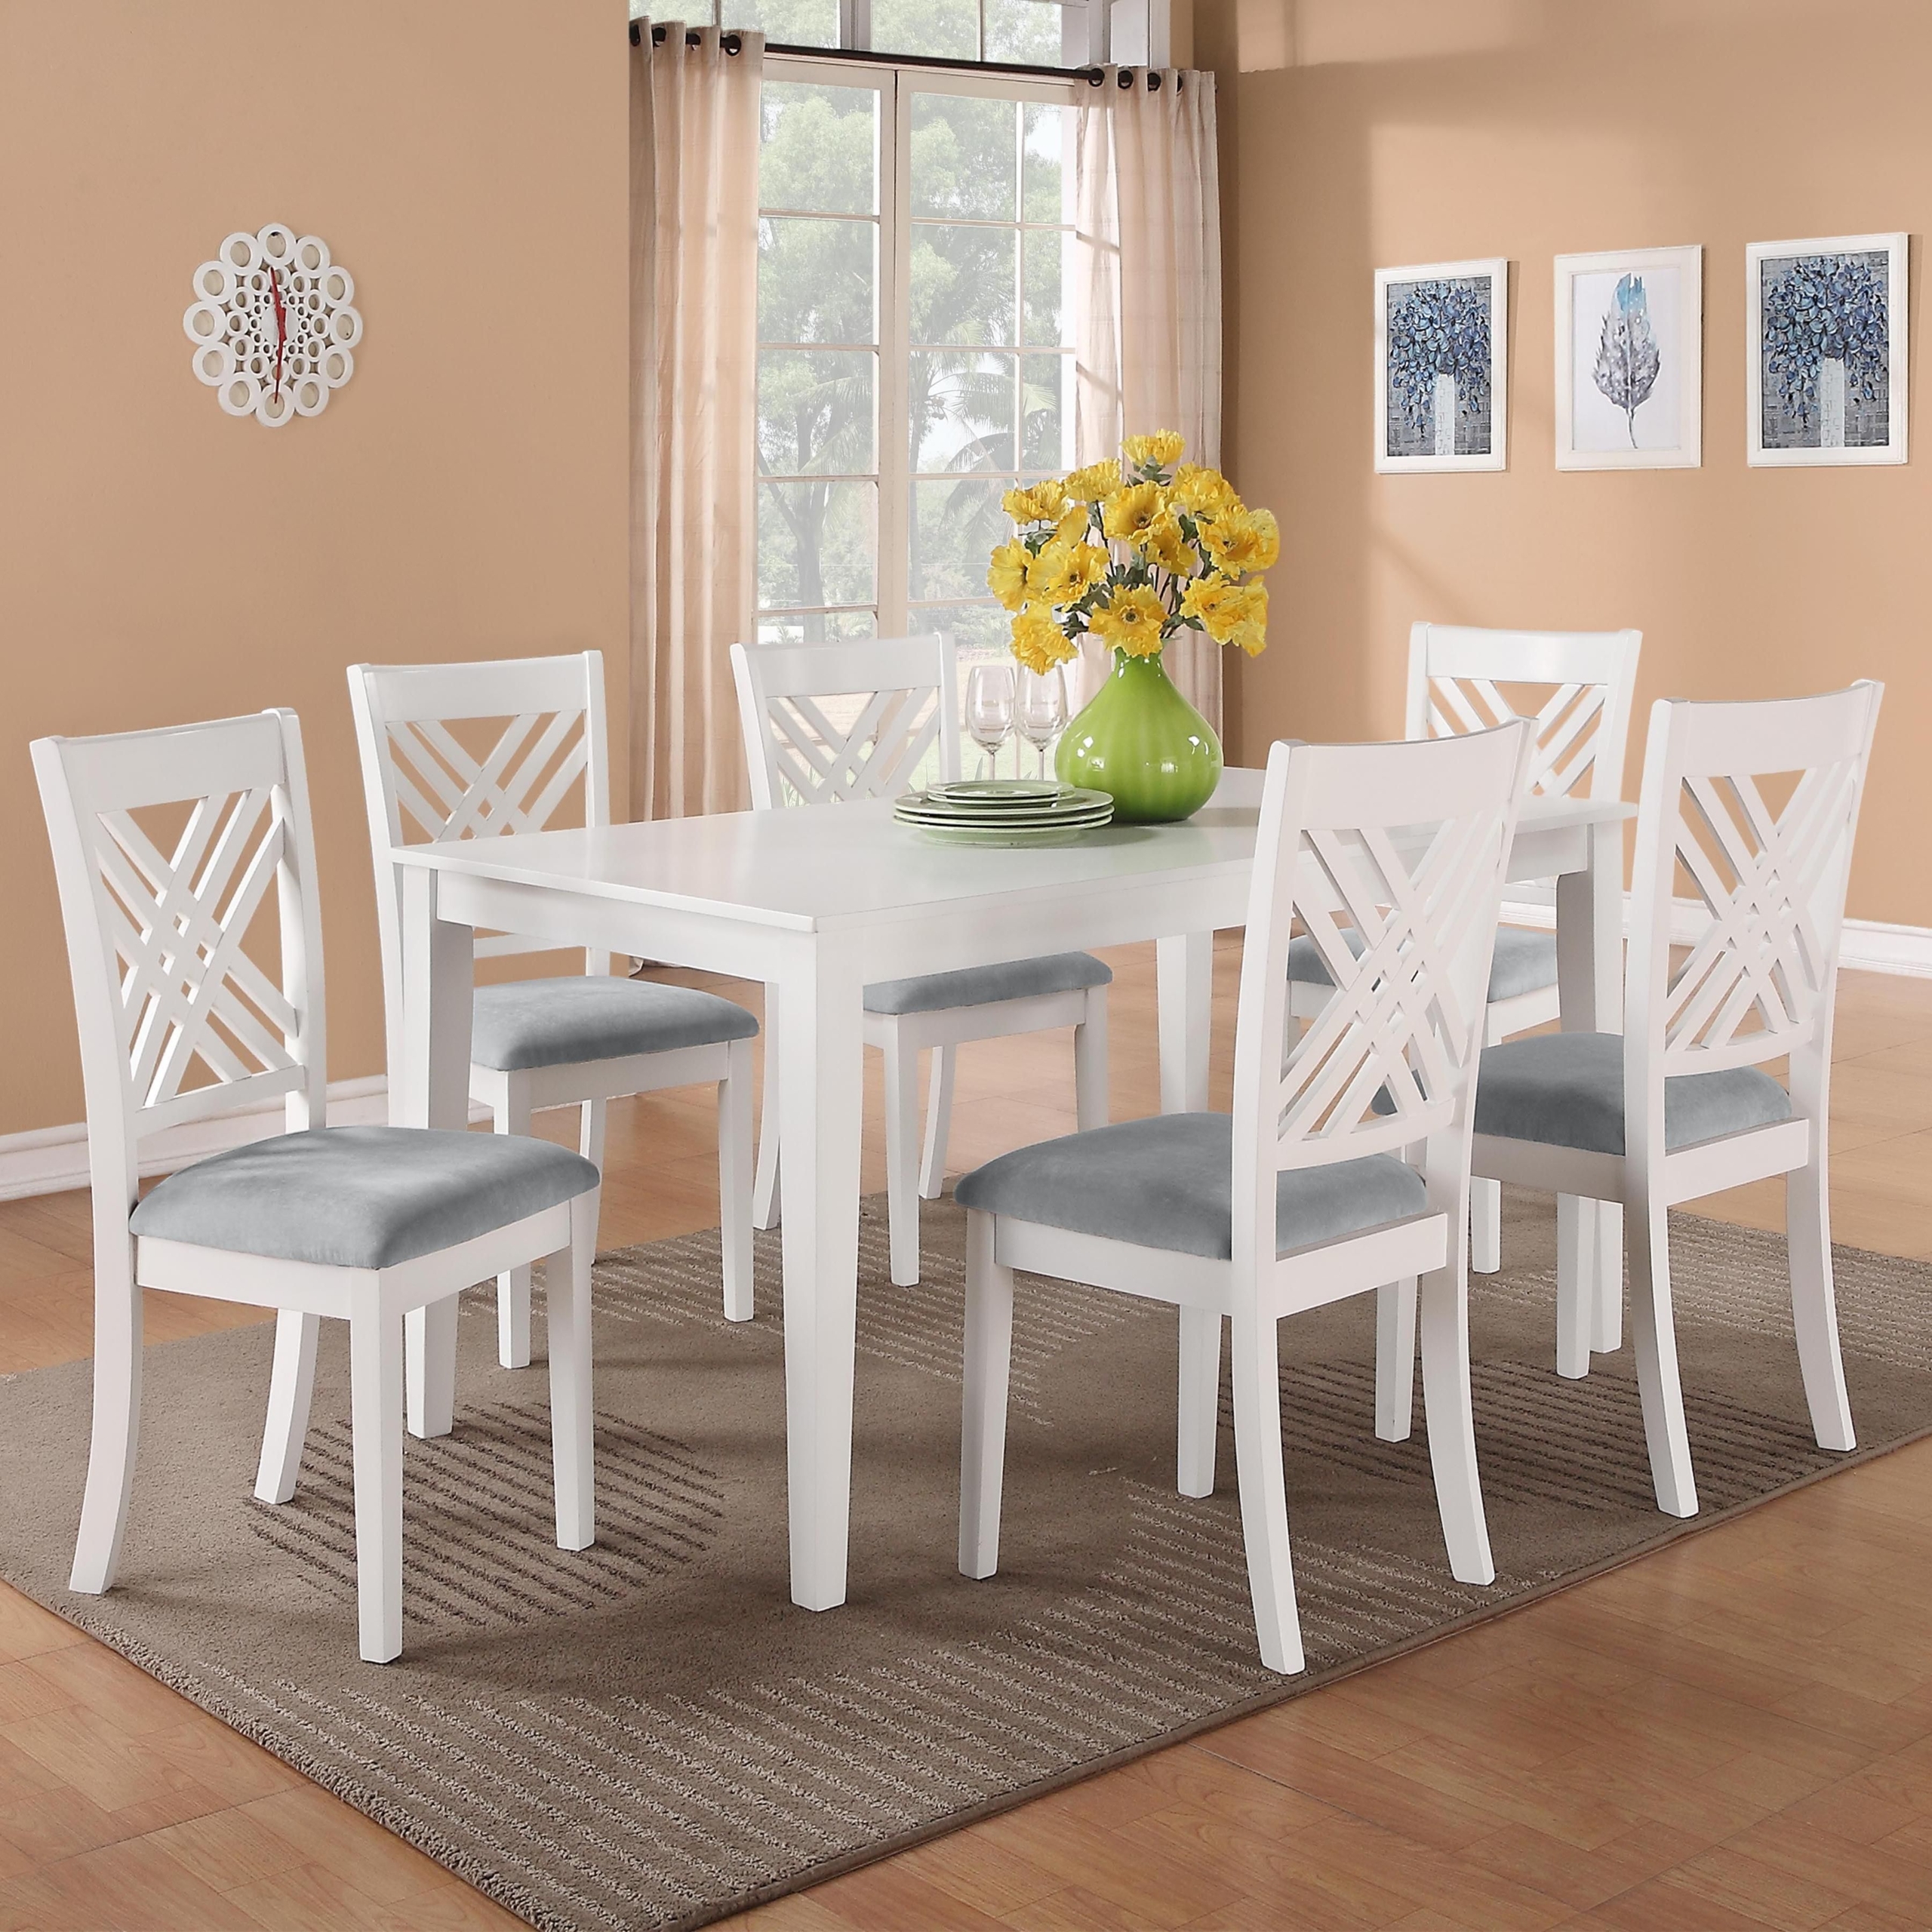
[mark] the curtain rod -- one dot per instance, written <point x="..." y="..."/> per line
<point x="1093" y="76"/>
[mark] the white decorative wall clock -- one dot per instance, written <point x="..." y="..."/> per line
<point x="274" y="333"/>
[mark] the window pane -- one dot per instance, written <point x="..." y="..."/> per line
<point x="962" y="411"/>
<point x="816" y="281"/>
<point x="963" y="284"/>
<point x="949" y="28"/>
<point x="1046" y="412"/>
<point x="815" y="410"/>
<point x="981" y="629"/>
<point x="963" y="155"/>
<point x="820" y="148"/>
<point x="955" y="527"/>
<point x="790" y="23"/>
<point x="1044" y="321"/>
<point x="1047" y="163"/>
<point x="816" y="626"/>
<point x="1029" y="30"/>
<point x="817" y="543"/>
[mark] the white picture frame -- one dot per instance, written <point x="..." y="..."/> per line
<point x="1808" y="409"/>
<point x="1463" y="308"/>
<point x="1629" y="359"/>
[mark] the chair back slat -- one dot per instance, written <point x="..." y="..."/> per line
<point x="1586" y="681"/>
<point x="179" y="1019"/>
<point x="900" y="699"/>
<point x="1751" y="977"/>
<point x="422" y="783"/>
<point x="1404" y="844"/>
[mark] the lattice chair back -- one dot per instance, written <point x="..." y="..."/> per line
<point x="179" y="1016"/>
<point x="421" y="782"/>
<point x="1757" y="949"/>
<point x="1406" y="843"/>
<point x="1586" y="681"/>
<point x="831" y="722"/>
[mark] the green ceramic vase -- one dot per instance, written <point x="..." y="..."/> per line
<point x="1142" y="742"/>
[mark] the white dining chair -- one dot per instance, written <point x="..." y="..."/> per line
<point x="1743" y="973"/>
<point x="579" y="1041"/>
<point x="901" y="704"/>
<point x="1582" y="684"/>
<point x="177" y="1023"/>
<point x="1344" y="1166"/>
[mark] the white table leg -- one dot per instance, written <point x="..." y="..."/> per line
<point x="1186" y="965"/>
<point x="820" y="1092"/>
<point x="432" y="1089"/>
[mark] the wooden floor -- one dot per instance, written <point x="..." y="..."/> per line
<point x="1736" y="1732"/>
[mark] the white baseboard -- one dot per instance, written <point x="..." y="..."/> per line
<point x="49" y="1160"/>
<point x="1869" y="945"/>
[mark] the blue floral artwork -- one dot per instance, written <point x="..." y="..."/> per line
<point x="1441" y="363"/>
<point x="1825" y="351"/>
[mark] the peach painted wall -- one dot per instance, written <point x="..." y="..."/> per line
<point x="464" y="495"/>
<point x="1362" y="133"/>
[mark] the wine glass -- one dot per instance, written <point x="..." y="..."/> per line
<point x="990" y="710"/>
<point x="1042" y="709"/>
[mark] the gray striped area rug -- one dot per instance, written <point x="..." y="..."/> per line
<point x="647" y="1734"/>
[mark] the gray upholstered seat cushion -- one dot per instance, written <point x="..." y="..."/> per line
<point x="360" y="1197"/>
<point x="980" y="985"/>
<point x="560" y="1022"/>
<point x="1566" y="1090"/>
<point x="1168" y="1182"/>
<point x="1524" y="961"/>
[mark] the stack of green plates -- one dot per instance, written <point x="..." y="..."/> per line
<point x="1003" y="811"/>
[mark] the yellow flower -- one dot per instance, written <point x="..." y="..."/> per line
<point x="1131" y="621"/>
<point x="1126" y="513"/>
<point x="1202" y="493"/>
<point x="1096" y="481"/>
<point x="1243" y="540"/>
<point x="1064" y="572"/>
<point x="1229" y="612"/>
<point x="1042" y="503"/>
<point x="1076" y="520"/>
<point x="1162" y="543"/>
<point x="1006" y="574"/>
<point x="1161" y="450"/>
<point x="1038" y="642"/>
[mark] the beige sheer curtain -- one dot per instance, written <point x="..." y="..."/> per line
<point x="694" y="142"/>
<point x="1147" y="289"/>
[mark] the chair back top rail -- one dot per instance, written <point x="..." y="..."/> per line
<point x="167" y="846"/>
<point x="1759" y="980"/>
<point x="1389" y="1061"/>
<point x="421" y="782"/>
<point x="1582" y="725"/>
<point x="903" y="697"/>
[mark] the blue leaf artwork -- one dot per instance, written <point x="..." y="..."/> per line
<point x="1438" y="328"/>
<point x="1816" y="310"/>
<point x="1628" y="361"/>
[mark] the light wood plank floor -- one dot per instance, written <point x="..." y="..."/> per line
<point x="1733" y="1732"/>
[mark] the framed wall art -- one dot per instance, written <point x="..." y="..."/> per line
<point x="1441" y="367"/>
<point x="1629" y="359"/>
<point x="1825" y="350"/>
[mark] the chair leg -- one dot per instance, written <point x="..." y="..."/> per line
<point x="1814" y="1303"/>
<point x="988" y="1360"/>
<point x="1452" y="1437"/>
<point x="1257" y="1367"/>
<point x="513" y="1285"/>
<point x="1485" y="1225"/>
<point x="567" y="1328"/>
<point x="765" y="1200"/>
<point x="938" y="1122"/>
<point x="735" y="1189"/>
<point x="1200" y="1406"/>
<point x="1654" y="1330"/>
<point x="375" y="1386"/>
<point x="117" y="1414"/>
<point x="290" y="1385"/>
<point x="1090" y="1063"/>
<point x="429" y="1377"/>
<point x="1607" y="1292"/>
<point x="901" y="1157"/>
<point x="1575" y="1303"/>
<point x="1395" y="1359"/>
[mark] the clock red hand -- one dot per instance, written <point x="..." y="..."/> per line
<point x="281" y="329"/>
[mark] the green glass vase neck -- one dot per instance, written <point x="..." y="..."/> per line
<point x="1140" y="741"/>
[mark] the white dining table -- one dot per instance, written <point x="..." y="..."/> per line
<point x="821" y="901"/>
